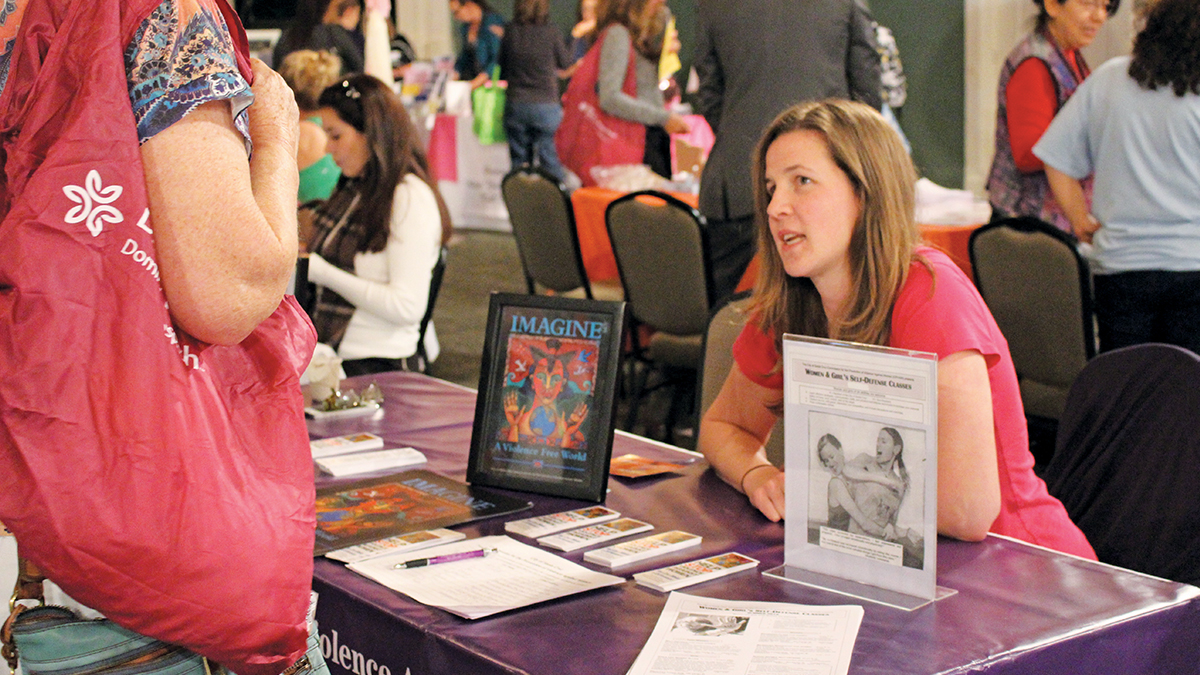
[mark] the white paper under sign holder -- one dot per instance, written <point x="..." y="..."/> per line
<point x="860" y="439"/>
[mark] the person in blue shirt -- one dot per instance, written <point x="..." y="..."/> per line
<point x="1135" y="125"/>
<point x="480" y="32"/>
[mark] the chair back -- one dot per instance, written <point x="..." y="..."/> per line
<point x="1127" y="458"/>
<point x="661" y="248"/>
<point x="1039" y="289"/>
<point x="435" y="287"/>
<point x="723" y="329"/>
<point x="543" y="224"/>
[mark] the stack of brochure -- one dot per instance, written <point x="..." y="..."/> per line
<point x="360" y="453"/>
<point x="728" y="637"/>
<point x="694" y="572"/>
<point x="404" y="542"/>
<point x="540" y="526"/>
<point x="629" y="552"/>
<point x="594" y="534"/>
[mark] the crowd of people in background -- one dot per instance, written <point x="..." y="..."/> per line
<point x="1142" y="227"/>
<point x="806" y="172"/>
<point x="825" y="198"/>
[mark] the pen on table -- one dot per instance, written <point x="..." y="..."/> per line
<point x="437" y="560"/>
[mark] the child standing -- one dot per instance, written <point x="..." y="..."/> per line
<point x="532" y="56"/>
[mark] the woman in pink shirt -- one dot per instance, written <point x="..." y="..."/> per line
<point x="834" y="192"/>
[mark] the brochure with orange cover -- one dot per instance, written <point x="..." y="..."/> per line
<point x="375" y="508"/>
<point x="636" y="466"/>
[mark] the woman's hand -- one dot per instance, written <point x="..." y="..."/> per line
<point x="764" y="487"/>
<point x="676" y="125"/>
<point x="274" y="116"/>
<point x="1085" y="231"/>
<point x="480" y="80"/>
<point x="732" y="435"/>
<point x="1069" y="194"/>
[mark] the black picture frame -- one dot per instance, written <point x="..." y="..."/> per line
<point x="547" y="385"/>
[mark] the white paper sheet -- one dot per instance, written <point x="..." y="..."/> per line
<point x="707" y="636"/>
<point x="514" y="576"/>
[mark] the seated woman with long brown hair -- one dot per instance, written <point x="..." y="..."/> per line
<point x="378" y="237"/>
<point x="835" y="204"/>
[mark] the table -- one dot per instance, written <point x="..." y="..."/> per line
<point x="1019" y="609"/>
<point x="953" y="240"/>
<point x="589" y="204"/>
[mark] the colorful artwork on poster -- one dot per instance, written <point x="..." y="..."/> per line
<point x="545" y="409"/>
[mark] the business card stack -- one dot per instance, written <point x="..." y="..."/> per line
<point x="341" y="445"/>
<point x="694" y="572"/>
<point x="595" y="534"/>
<point x="629" y="552"/>
<point x="540" y="526"/>
<point x="402" y="542"/>
<point x="375" y="460"/>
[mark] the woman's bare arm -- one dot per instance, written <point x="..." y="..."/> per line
<point x="1069" y="193"/>
<point x="225" y="228"/>
<point x="856" y="470"/>
<point x="732" y="437"/>
<point x="968" y="472"/>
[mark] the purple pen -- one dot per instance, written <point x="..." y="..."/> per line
<point x="437" y="560"/>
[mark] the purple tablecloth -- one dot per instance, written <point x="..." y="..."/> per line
<point x="1019" y="609"/>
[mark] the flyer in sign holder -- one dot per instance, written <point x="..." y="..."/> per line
<point x="860" y="439"/>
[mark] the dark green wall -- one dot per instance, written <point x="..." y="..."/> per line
<point x="929" y="34"/>
<point x="930" y="37"/>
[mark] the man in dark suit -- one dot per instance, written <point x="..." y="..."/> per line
<point x="755" y="58"/>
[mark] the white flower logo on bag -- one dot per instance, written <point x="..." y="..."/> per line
<point x="92" y="204"/>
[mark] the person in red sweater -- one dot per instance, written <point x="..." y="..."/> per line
<point x="1038" y="77"/>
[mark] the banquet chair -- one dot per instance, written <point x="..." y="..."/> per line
<point x="661" y="248"/>
<point x="543" y="224"/>
<point x="1039" y="289"/>
<point x="435" y="287"/>
<point x="724" y="327"/>
<point x="1128" y="456"/>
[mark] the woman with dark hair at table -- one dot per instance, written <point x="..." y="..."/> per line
<point x="1038" y="77"/>
<point x="1135" y="124"/>
<point x="835" y="204"/>
<point x="479" y="33"/>
<point x="379" y="235"/>
<point x="330" y="25"/>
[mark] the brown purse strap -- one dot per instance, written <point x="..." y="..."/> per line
<point x="28" y="587"/>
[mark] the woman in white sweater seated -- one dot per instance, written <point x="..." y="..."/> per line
<point x="378" y="237"/>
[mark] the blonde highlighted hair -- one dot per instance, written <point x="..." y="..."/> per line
<point x="308" y="73"/>
<point x="646" y="29"/>
<point x="883" y="245"/>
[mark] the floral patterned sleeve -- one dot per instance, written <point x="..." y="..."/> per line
<point x="180" y="57"/>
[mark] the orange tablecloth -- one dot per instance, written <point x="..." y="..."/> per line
<point x="589" y="204"/>
<point x="953" y="240"/>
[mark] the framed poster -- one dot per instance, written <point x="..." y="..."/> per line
<point x="860" y="439"/>
<point x="543" y="418"/>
